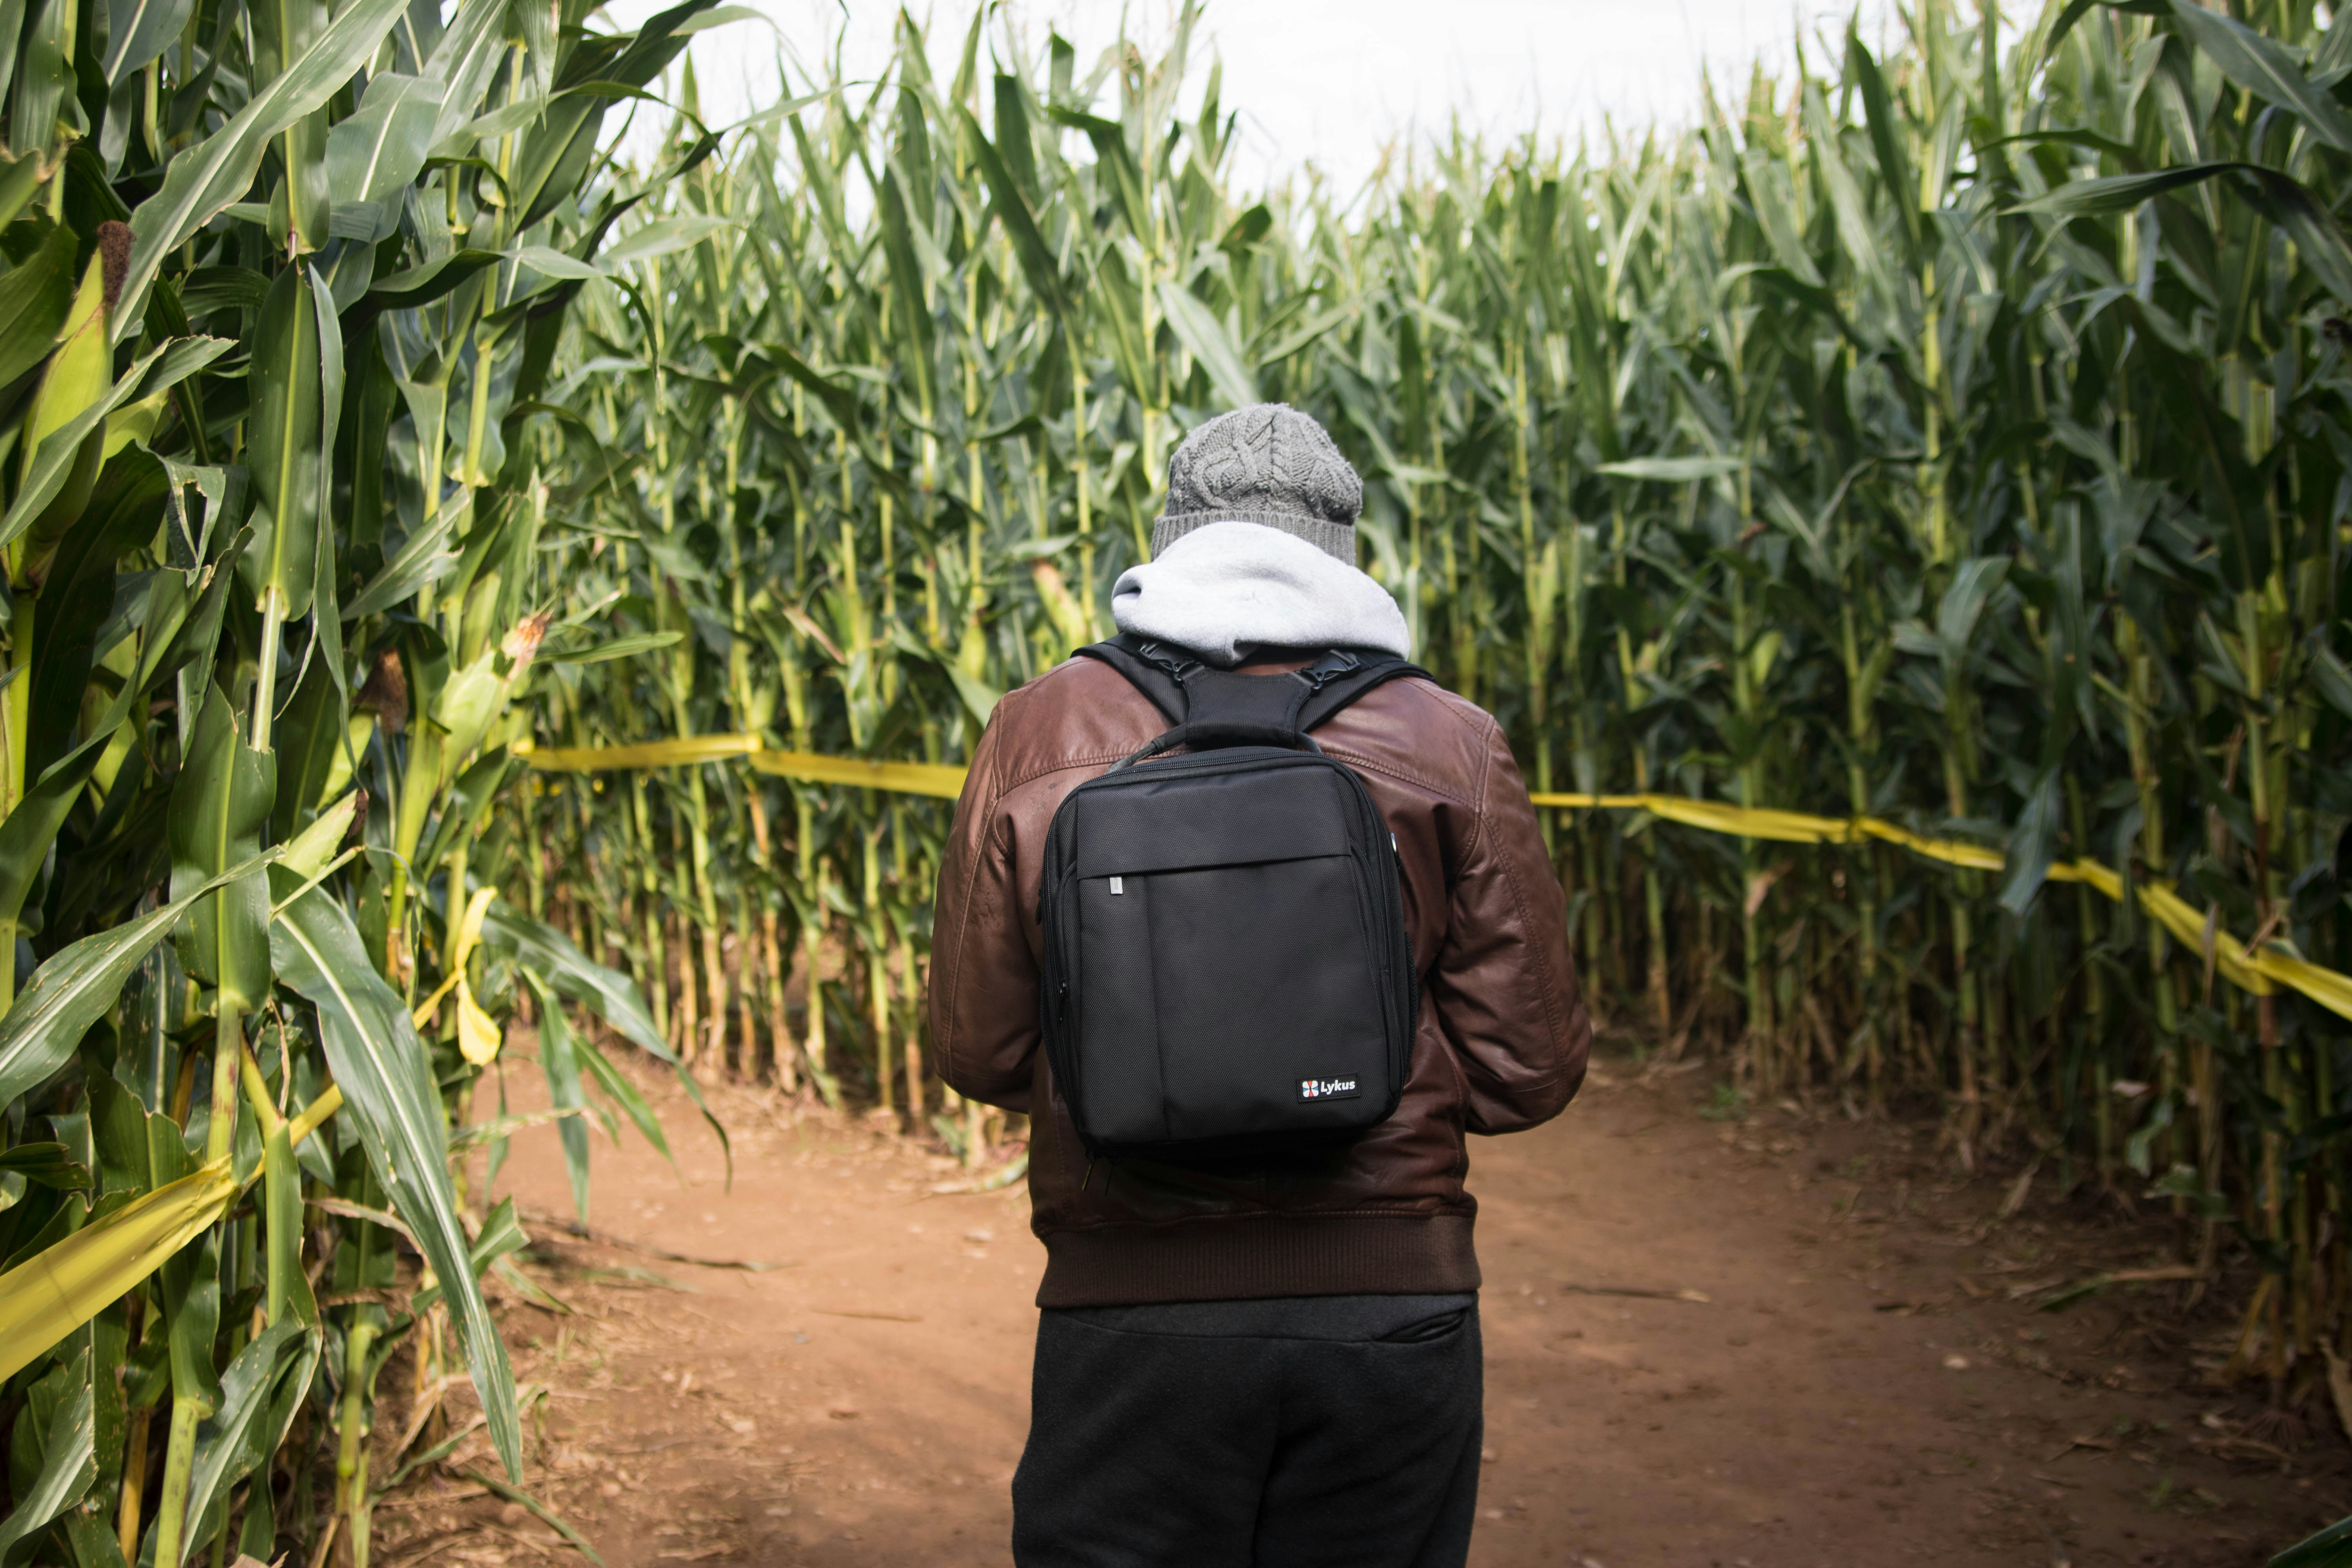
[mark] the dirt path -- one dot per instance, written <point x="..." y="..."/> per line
<point x="1834" y="1358"/>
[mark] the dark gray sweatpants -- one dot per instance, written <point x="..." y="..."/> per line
<point x="1310" y="1432"/>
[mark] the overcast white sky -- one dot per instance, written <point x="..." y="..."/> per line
<point x="1331" y="82"/>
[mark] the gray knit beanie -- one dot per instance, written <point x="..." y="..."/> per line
<point x="1266" y="464"/>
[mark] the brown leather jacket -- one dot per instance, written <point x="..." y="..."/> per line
<point x="1500" y="1045"/>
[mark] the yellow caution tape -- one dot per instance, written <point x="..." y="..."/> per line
<point x="2258" y="971"/>
<point x="943" y="780"/>
<point x="1782" y="826"/>
<point x="645" y="754"/>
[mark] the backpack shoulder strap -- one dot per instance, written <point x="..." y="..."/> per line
<point x="1180" y="684"/>
<point x="1156" y="669"/>
<point x="1340" y="677"/>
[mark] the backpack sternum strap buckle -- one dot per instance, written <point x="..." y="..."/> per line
<point x="1176" y="663"/>
<point x="1329" y="668"/>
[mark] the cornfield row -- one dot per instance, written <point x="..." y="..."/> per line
<point x="264" y="647"/>
<point x="1959" y="439"/>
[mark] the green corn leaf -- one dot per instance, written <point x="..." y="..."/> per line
<point x="469" y="703"/>
<point x="1017" y="151"/>
<point x="2077" y="9"/>
<point x="118" y="1129"/>
<point x="549" y="263"/>
<point x="287" y="1296"/>
<point x="2284" y="201"/>
<point x="546" y="1515"/>
<point x="89" y="1534"/>
<point x="191" y="1295"/>
<point x="45" y="74"/>
<point x="2221" y="664"/>
<point x="473" y="48"/>
<point x="1772" y="193"/>
<point x="203" y="181"/>
<point x="2120" y="193"/>
<point x="1198" y="329"/>
<point x="2331" y="60"/>
<point x="326" y="618"/>
<point x="2331" y="1548"/>
<point x="502" y="1236"/>
<point x="375" y="155"/>
<point x="424" y="558"/>
<point x="664" y="236"/>
<point x="1886" y="137"/>
<point x="260" y="1393"/>
<point x="980" y="698"/>
<point x="541" y="950"/>
<point x="2033" y="843"/>
<point x="282" y="453"/>
<point x="157" y="370"/>
<point x="34" y="295"/>
<point x="29" y="831"/>
<point x="309" y="851"/>
<point x="1305" y="335"/>
<point x="1856" y="235"/>
<point x="507" y="119"/>
<point x="175" y="634"/>
<point x="907" y="284"/>
<point x="2264" y="68"/>
<point x="1112" y="155"/>
<point x="68" y="1461"/>
<point x="465" y="807"/>
<point x="559" y="1059"/>
<point x="619" y="648"/>
<point x="138" y="30"/>
<point x="623" y="1093"/>
<point x="47" y="1166"/>
<point x="383" y="1070"/>
<point x="77" y="986"/>
<point x="1673" y="470"/>
<point x="2333" y="681"/>
<point x="1013" y="210"/>
<point x="548" y="954"/>
<point x="220" y="808"/>
<point x="554" y="155"/>
<point x="20" y="177"/>
<point x="79" y="599"/>
<point x="423" y="284"/>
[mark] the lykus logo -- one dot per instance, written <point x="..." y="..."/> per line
<point x="1328" y="1089"/>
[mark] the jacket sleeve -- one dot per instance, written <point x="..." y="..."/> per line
<point x="983" y="991"/>
<point x="1504" y="985"/>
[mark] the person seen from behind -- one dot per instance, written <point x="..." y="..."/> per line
<point x="1247" y="1357"/>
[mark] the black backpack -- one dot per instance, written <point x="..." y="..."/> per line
<point x="1227" y="973"/>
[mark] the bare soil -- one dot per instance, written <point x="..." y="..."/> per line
<point x="1791" y="1340"/>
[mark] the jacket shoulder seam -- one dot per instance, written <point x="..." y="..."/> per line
<point x="1447" y="704"/>
<point x="1545" y="982"/>
<point x="1084" y="760"/>
<point x="1492" y="733"/>
<point x="964" y="916"/>
<point x="1368" y="764"/>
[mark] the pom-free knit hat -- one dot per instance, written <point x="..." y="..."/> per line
<point x="1265" y="464"/>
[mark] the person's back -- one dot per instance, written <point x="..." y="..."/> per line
<point x="1273" y="1361"/>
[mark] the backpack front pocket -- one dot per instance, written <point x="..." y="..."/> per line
<point x="1220" y="971"/>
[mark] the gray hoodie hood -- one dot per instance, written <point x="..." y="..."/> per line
<point x="1226" y="588"/>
